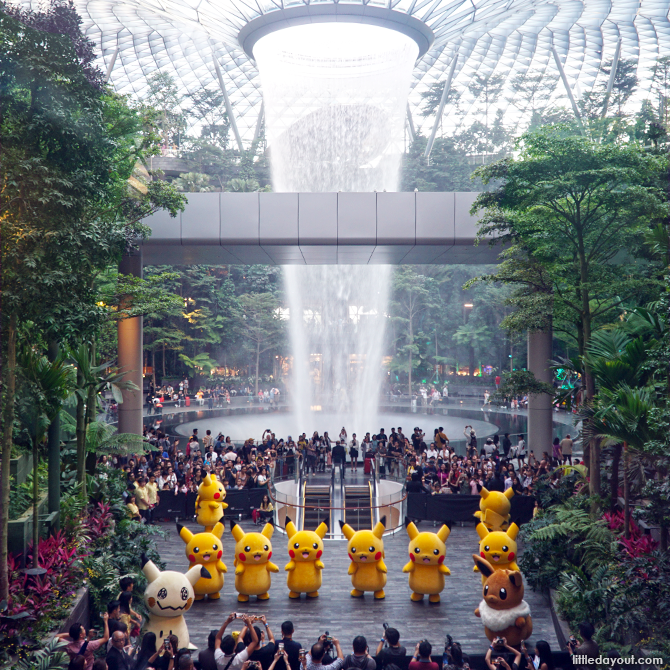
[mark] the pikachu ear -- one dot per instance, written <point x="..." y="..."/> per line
<point x="509" y="493"/>
<point x="218" y="529"/>
<point x="267" y="531"/>
<point x="207" y="480"/>
<point x="513" y="531"/>
<point x="484" y="566"/>
<point x="484" y="493"/>
<point x="236" y="530"/>
<point x="379" y="529"/>
<point x="321" y="530"/>
<point x="444" y="532"/>
<point x="482" y="531"/>
<point x="291" y="530"/>
<point x="412" y="530"/>
<point x="184" y="533"/>
<point x="347" y="530"/>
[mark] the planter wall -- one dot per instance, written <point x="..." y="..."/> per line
<point x="20" y="467"/>
<point x="20" y="531"/>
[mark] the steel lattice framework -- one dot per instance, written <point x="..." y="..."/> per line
<point x="507" y="37"/>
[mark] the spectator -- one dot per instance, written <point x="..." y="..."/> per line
<point x="495" y="660"/>
<point x="166" y="660"/>
<point x="185" y="662"/>
<point x="587" y="647"/>
<point x="224" y="652"/>
<point x="360" y="659"/>
<point x="421" y="659"/>
<point x="76" y="663"/>
<point x="117" y="658"/>
<point x="543" y="659"/>
<point x="566" y="449"/>
<point x="147" y="655"/>
<point x="264" y="654"/>
<point x="291" y="647"/>
<point x="80" y="645"/>
<point x="99" y="664"/>
<point x="394" y="652"/>
<point x="206" y="656"/>
<point x="113" y="609"/>
<point x="318" y="651"/>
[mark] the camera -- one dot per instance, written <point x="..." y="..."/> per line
<point x="448" y="641"/>
<point x="253" y="665"/>
<point x="385" y="626"/>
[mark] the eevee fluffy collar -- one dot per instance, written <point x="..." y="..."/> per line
<point x="497" y="620"/>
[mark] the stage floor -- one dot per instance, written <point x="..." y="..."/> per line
<point x="345" y="617"/>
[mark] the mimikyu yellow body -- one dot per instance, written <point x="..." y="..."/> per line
<point x="209" y="504"/>
<point x="305" y="548"/>
<point x="252" y="562"/>
<point x="426" y="568"/>
<point x="206" y="549"/>
<point x="366" y="551"/>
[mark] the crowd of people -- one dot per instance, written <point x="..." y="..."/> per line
<point x="121" y="646"/>
<point x="427" y="465"/>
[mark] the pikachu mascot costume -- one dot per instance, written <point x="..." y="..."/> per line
<point x="167" y="596"/>
<point x="305" y="547"/>
<point x="205" y="549"/>
<point x="494" y="508"/>
<point x="503" y="610"/>
<point x="209" y="504"/>
<point x="498" y="548"/>
<point x="366" y="551"/>
<point x="252" y="562"/>
<point x="426" y="567"/>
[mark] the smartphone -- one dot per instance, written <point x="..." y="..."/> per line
<point x="280" y="646"/>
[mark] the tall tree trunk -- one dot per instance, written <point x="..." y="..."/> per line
<point x="614" y="484"/>
<point x="153" y="366"/>
<point x="36" y="500"/>
<point x="81" y="432"/>
<point x="163" y="360"/>
<point x="258" y="357"/>
<point x="626" y="491"/>
<point x="411" y="343"/>
<point x="8" y="418"/>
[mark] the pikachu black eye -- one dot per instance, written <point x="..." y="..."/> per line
<point x="353" y="550"/>
<point x="436" y="551"/>
<point x="487" y="548"/>
<point x="315" y="545"/>
<point x="266" y="547"/>
<point x="505" y="548"/>
<point x="247" y="548"/>
<point x="371" y="549"/>
<point x="296" y="545"/>
<point x="503" y="594"/>
<point x="417" y="550"/>
<point x="215" y="547"/>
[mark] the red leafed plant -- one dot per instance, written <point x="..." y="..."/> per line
<point x="639" y="546"/>
<point x="98" y="521"/>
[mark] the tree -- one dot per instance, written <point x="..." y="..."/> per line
<point x="572" y="206"/>
<point x="164" y="101"/>
<point x="192" y="182"/>
<point x="262" y="327"/>
<point x="411" y="297"/>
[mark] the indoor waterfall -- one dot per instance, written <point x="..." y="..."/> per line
<point x="335" y="122"/>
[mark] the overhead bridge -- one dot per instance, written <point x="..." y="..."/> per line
<point x="318" y="229"/>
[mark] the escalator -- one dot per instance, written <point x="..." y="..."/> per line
<point x="357" y="506"/>
<point x="317" y="504"/>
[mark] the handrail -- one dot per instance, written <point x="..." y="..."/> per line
<point x="282" y="502"/>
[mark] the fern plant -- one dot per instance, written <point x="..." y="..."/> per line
<point x="51" y="657"/>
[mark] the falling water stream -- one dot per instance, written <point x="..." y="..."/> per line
<point x="335" y="96"/>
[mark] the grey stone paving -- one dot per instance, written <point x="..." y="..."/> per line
<point x="343" y="616"/>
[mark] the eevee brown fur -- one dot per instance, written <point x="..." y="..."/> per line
<point x="503" y="598"/>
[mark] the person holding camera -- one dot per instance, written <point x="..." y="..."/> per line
<point x="360" y="659"/>
<point x="264" y="653"/>
<point x="421" y="659"/>
<point x="393" y="652"/>
<point x="588" y="647"/>
<point x="224" y="654"/>
<point x="495" y="659"/>
<point x="453" y="657"/>
<point x="314" y="660"/>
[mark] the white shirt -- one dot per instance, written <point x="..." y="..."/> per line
<point x="431" y="453"/>
<point x="222" y="659"/>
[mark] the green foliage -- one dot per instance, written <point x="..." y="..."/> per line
<point x="51" y="657"/>
<point x="192" y="182"/>
<point x="518" y="383"/>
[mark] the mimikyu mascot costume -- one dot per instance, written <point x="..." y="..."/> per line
<point x="168" y="595"/>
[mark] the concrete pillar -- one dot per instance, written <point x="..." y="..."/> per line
<point x="540" y="427"/>
<point x="130" y="356"/>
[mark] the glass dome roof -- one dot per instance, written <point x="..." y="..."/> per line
<point x="505" y="37"/>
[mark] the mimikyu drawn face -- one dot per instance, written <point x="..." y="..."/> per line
<point x="170" y="593"/>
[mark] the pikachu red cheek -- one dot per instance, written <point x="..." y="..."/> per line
<point x="378" y="556"/>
